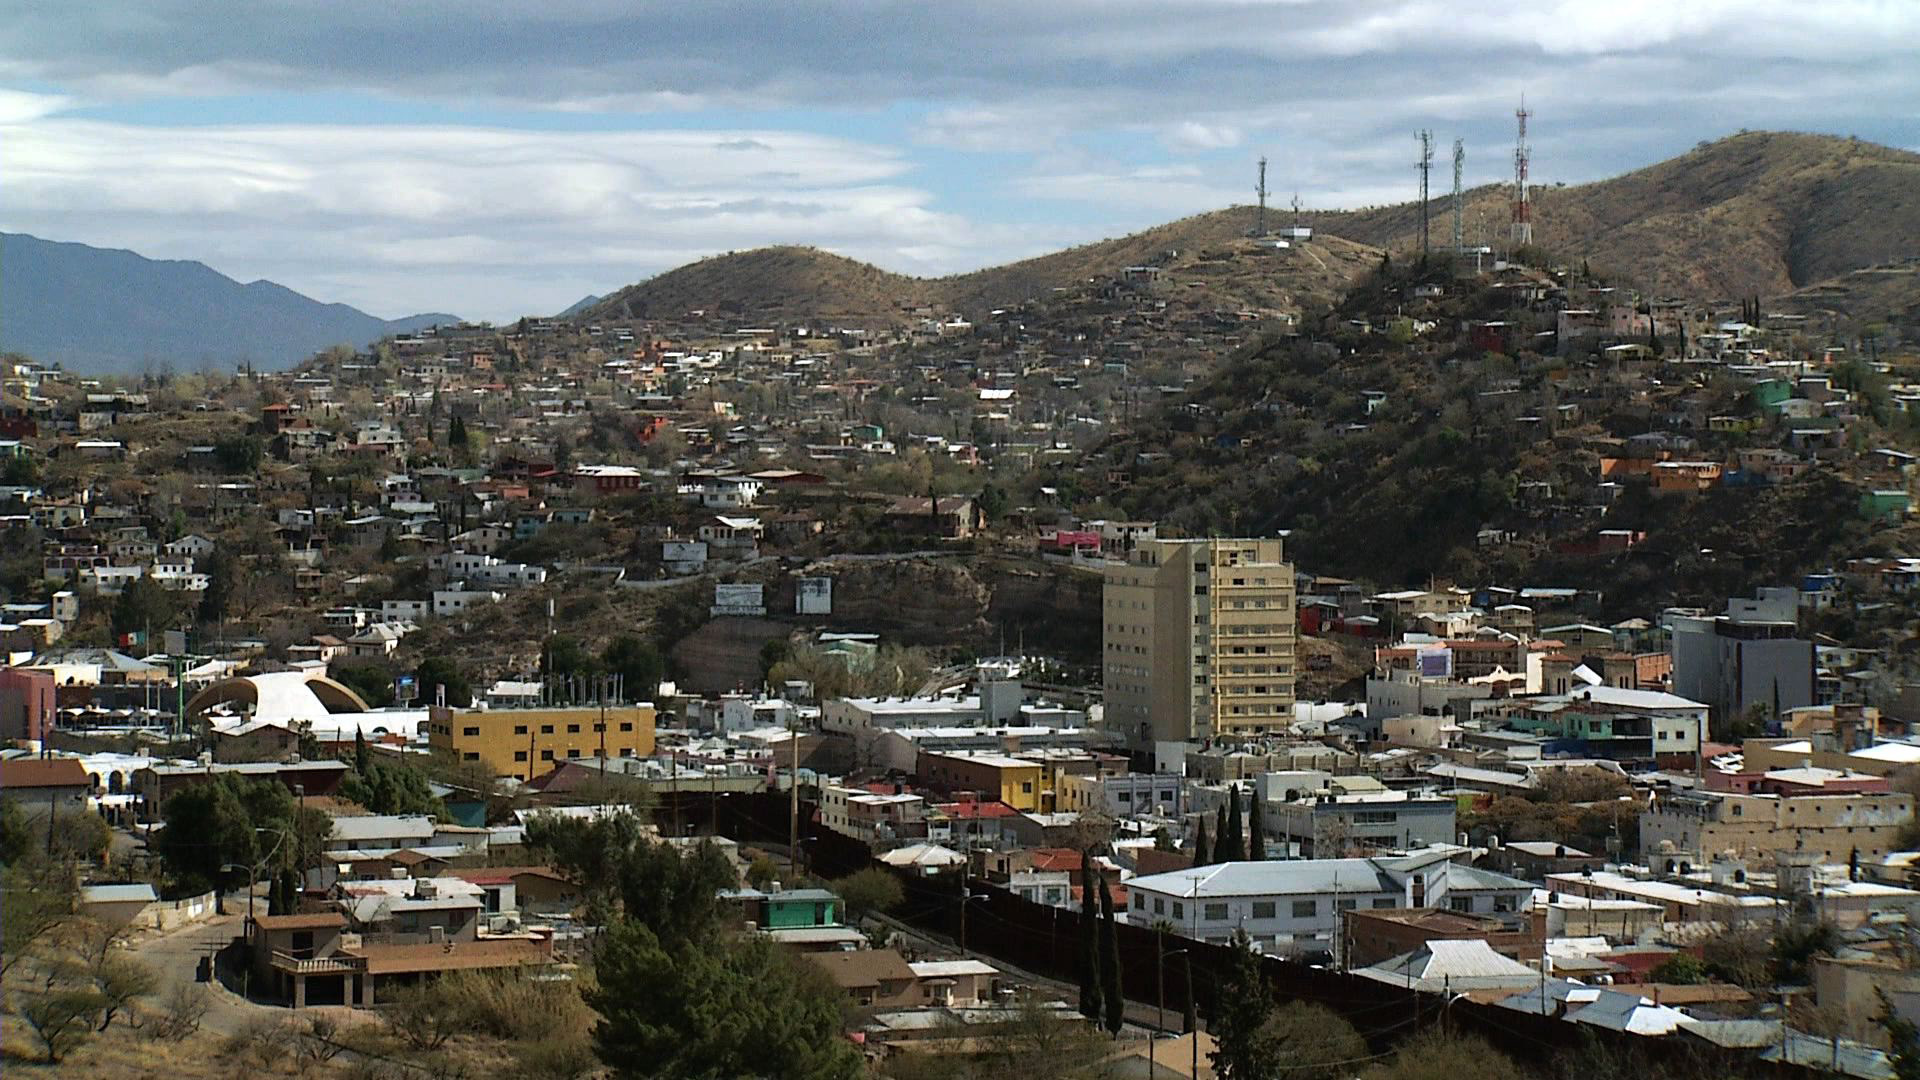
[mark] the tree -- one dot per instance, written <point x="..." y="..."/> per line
<point x="1903" y="1039"/>
<point x="637" y="663"/>
<point x="763" y="871"/>
<point x="361" y="761"/>
<point x="872" y="891"/>
<point x="1090" y="1004"/>
<point x="1680" y="969"/>
<point x="1111" y="993"/>
<point x="237" y="453"/>
<point x="1436" y="1054"/>
<point x="720" y="1008"/>
<point x="1256" y="833"/>
<point x="992" y="501"/>
<point x="1221" y="852"/>
<point x="392" y="788"/>
<point x="144" y="604"/>
<point x="62" y="1020"/>
<point x="1797" y="943"/>
<point x="1231" y="848"/>
<point x="223" y="572"/>
<point x="436" y="672"/>
<point x="16" y="836"/>
<point x="1202" y="851"/>
<point x="373" y="683"/>
<point x="238" y="821"/>
<point x="1240" y="1012"/>
<point x="1312" y="1042"/>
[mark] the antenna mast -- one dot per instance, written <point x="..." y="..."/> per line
<point x="1426" y="166"/>
<point x="1459" y="202"/>
<point x="1522" y="202"/>
<point x="1260" y="189"/>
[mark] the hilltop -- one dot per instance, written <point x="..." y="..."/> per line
<point x="109" y="311"/>
<point x="1209" y="256"/>
<point x="1759" y="213"/>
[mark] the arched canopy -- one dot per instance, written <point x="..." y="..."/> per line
<point x="280" y="695"/>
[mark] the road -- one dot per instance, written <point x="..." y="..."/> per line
<point x="175" y="959"/>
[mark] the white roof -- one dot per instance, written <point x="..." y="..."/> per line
<point x="1633" y="699"/>
<point x="947" y="969"/>
<point x="381" y="827"/>
<point x="1903" y="753"/>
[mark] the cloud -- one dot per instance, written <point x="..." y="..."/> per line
<point x="1049" y="123"/>
<point x="487" y="222"/>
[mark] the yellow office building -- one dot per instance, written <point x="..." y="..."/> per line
<point x="525" y="743"/>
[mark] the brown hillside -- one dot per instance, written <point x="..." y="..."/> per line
<point x="769" y="284"/>
<point x="1764" y="213"/>
<point x="1209" y="256"/>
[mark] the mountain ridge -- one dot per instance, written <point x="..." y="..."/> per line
<point x="178" y="312"/>
<point x="1755" y="213"/>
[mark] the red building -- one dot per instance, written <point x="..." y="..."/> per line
<point x="26" y="704"/>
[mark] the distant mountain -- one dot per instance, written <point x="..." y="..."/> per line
<point x="578" y="306"/>
<point x="1762" y="213"/>
<point x="100" y="310"/>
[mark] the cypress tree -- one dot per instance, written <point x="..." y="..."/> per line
<point x="1202" y="849"/>
<point x="1220" y="834"/>
<point x="1230" y="848"/>
<point x="1089" y="951"/>
<point x="1256" y="835"/>
<point x="360" y="756"/>
<point x="1110" y="993"/>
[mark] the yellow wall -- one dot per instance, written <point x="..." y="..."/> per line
<point x="525" y="743"/>
<point x="1018" y="785"/>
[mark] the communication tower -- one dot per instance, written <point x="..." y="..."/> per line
<point x="1260" y="189"/>
<point x="1459" y="202"/>
<point x="1522" y="201"/>
<point x="1426" y="166"/>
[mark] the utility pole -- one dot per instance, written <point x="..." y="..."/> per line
<point x="1426" y="166"/>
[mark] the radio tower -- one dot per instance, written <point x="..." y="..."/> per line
<point x="1522" y="202"/>
<point x="1260" y="189"/>
<point x="1459" y="203"/>
<point x="1426" y="166"/>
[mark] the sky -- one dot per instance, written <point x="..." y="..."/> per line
<point x="497" y="158"/>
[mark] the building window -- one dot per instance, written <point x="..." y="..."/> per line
<point x="1139" y="902"/>
<point x="1263" y="909"/>
<point x="1345" y="904"/>
<point x="1460" y="903"/>
<point x="599" y="727"/>
<point x="626" y="751"/>
<point x="1159" y="906"/>
<point x="1306" y="909"/>
<point x="1179" y="910"/>
<point x="471" y="732"/>
<point x="573" y="729"/>
<point x="546" y="755"/>
<point x="546" y="729"/>
<point x="573" y="752"/>
<point x="519" y="755"/>
<point x="1382" y="903"/>
<point x="471" y="755"/>
<point x="519" y="729"/>
<point x="1214" y="912"/>
<point x="626" y="725"/>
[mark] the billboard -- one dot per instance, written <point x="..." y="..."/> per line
<point x="738" y="600"/>
<point x="813" y="596"/>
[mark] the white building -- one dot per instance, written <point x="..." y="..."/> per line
<point x="1292" y="907"/>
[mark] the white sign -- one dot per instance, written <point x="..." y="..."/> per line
<point x="813" y="596"/>
<point x="738" y="600"/>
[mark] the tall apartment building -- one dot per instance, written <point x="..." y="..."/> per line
<point x="1198" y="640"/>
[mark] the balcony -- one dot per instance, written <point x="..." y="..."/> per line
<point x="337" y="964"/>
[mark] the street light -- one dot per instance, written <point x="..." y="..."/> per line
<point x="1161" y="952"/>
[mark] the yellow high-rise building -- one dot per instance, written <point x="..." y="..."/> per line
<point x="525" y="743"/>
<point x="1198" y="640"/>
